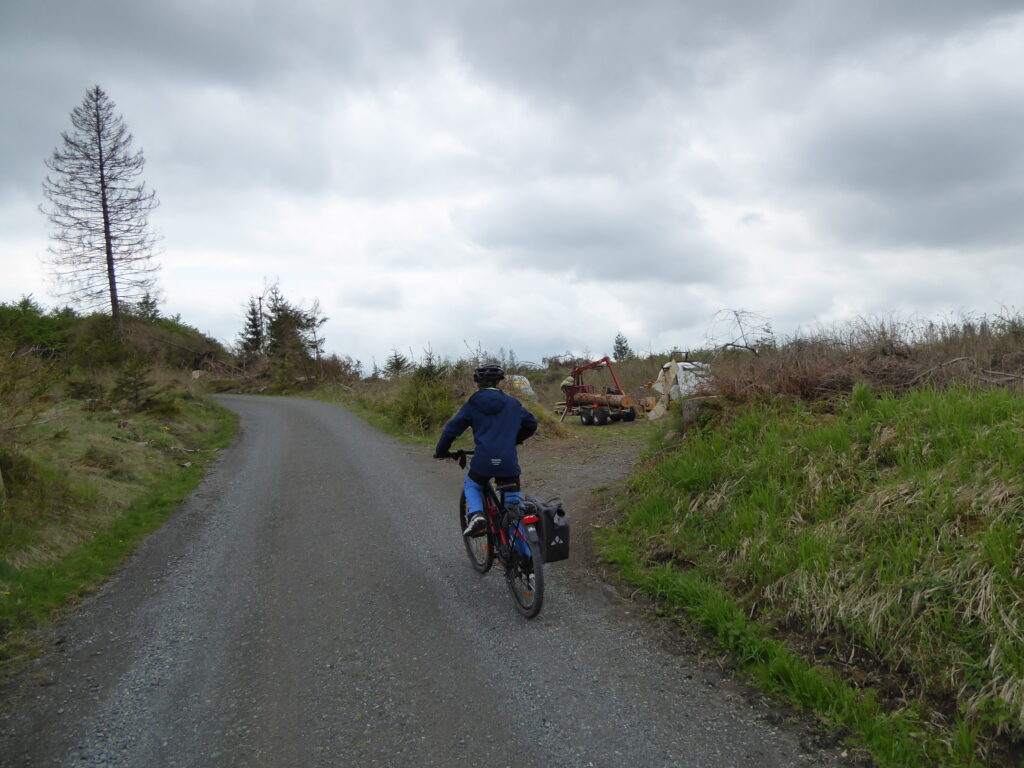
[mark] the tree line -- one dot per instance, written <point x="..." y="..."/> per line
<point x="283" y="341"/>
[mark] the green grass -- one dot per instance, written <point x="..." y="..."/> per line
<point x="888" y="530"/>
<point x="372" y="408"/>
<point x="80" y="500"/>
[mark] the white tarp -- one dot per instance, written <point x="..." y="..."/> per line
<point x="677" y="380"/>
<point x="521" y="384"/>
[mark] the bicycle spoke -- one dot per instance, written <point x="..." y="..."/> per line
<point x="479" y="547"/>
<point x="525" y="578"/>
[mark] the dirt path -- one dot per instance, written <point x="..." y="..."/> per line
<point x="591" y="458"/>
<point x="584" y="470"/>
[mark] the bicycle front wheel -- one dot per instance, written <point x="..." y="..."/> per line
<point x="479" y="546"/>
<point x="525" y="578"/>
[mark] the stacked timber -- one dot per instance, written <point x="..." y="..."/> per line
<point x="611" y="401"/>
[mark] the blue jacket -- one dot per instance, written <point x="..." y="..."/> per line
<point x="499" y="423"/>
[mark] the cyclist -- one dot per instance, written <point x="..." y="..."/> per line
<point x="499" y="423"/>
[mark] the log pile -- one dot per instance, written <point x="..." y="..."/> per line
<point x="614" y="401"/>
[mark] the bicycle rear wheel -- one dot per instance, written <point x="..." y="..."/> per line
<point x="525" y="578"/>
<point x="479" y="546"/>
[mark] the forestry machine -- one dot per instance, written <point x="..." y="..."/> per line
<point x="595" y="407"/>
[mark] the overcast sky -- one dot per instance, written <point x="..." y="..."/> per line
<point x="540" y="176"/>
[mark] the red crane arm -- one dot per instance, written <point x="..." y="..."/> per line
<point x="577" y="372"/>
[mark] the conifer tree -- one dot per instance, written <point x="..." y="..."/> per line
<point x="286" y="325"/>
<point x="252" y="339"/>
<point x="396" y="364"/>
<point x="621" y="350"/>
<point x="102" y="251"/>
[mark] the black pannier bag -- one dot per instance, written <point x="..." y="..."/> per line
<point x="553" y="528"/>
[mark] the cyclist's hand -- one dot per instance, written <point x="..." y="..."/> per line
<point x="443" y="455"/>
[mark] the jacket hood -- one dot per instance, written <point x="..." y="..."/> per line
<point x="489" y="401"/>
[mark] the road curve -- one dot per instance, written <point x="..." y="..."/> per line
<point x="311" y="605"/>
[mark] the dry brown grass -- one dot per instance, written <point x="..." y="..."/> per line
<point x="889" y="355"/>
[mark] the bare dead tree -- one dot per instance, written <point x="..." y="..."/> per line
<point x="102" y="247"/>
<point x="746" y="330"/>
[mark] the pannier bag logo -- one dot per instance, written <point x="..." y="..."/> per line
<point x="554" y="529"/>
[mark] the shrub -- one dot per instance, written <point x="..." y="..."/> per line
<point x="85" y="389"/>
<point x="164" y="406"/>
<point x="93" y="343"/>
<point x="26" y="326"/>
<point x="132" y="386"/>
<point x="425" y="398"/>
<point x="24" y="382"/>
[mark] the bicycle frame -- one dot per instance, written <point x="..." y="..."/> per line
<point x="497" y="519"/>
<point x="511" y="537"/>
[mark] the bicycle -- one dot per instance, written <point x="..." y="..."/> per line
<point x="511" y="537"/>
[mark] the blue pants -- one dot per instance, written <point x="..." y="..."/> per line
<point x="474" y="489"/>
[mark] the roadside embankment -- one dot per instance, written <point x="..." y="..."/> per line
<point x="81" y="488"/>
<point x="862" y="556"/>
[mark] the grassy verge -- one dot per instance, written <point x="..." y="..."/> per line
<point x="83" y="493"/>
<point x="416" y="413"/>
<point x="863" y="559"/>
<point x="374" y="409"/>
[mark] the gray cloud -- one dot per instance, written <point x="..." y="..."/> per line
<point x="604" y="56"/>
<point x="626" y="147"/>
<point x="597" y="232"/>
<point x="919" y="165"/>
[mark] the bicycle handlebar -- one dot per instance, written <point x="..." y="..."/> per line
<point x="460" y="456"/>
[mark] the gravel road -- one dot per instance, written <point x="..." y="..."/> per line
<point x="311" y="605"/>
